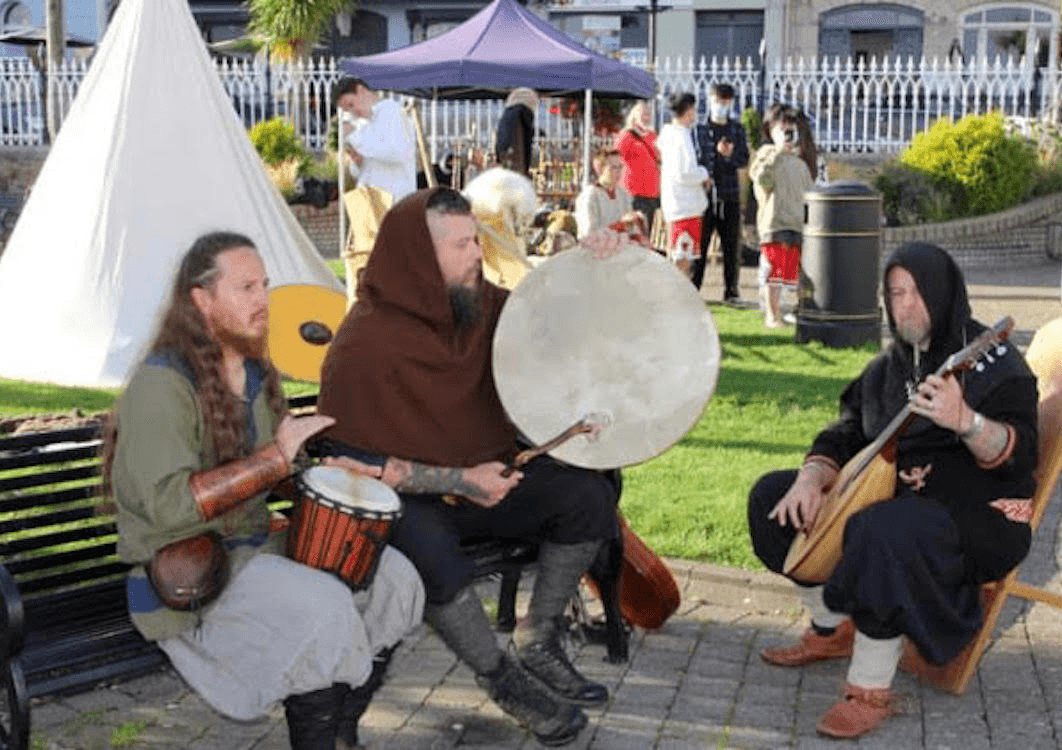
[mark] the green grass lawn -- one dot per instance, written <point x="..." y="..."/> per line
<point x="773" y="397"/>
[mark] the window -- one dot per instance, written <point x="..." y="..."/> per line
<point x="15" y="15"/>
<point x="728" y="34"/>
<point x="1012" y="31"/>
<point x="868" y="31"/>
<point x="613" y="34"/>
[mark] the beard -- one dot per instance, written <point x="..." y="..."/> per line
<point x="251" y="347"/>
<point x="912" y="334"/>
<point x="464" y="304"/>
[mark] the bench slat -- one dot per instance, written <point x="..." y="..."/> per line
<point x="47" y="458"/>
<point x="31" y="502"/>
<point x="71" y="578"/>
<point x="44" y="541"/>
<point x="47" y="519"/>
<point x="44" y="478"/>
<point x="37" y="439"/>
<point x="26" y="565"/>
<point x="148" y="659"/>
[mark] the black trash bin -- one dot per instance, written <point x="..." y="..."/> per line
<point x="838" y="301"/>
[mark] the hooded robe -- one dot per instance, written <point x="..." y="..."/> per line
<point x="400" y="378"/>
<point x="913" y="565"/>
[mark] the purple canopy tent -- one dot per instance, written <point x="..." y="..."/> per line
<point x="502" y="47"/>
<point x="498" y="49"/>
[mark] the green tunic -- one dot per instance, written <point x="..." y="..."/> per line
<point x="161" y="442"/>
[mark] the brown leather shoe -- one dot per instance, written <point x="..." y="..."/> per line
<point x="859" y="711"/>
<point x="813" y="647"/>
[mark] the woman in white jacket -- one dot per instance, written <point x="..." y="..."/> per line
<point x="683" y="182"/>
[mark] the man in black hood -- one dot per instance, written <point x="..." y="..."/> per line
<point x="911" y="567"/>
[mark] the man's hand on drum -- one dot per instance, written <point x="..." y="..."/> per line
<point x="940" y="400"/>
<point x="603" y="243"/>
<point x="354" y="466"/>
<point x="294" y="431"/>
<point x="488" y="483"/>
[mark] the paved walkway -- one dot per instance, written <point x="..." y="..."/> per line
<point x="696" y="683"/>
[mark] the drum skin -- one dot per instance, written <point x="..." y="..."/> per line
<point x="625" y="340"/>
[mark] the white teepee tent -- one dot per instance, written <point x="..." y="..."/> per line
<point x="151" y="156"/>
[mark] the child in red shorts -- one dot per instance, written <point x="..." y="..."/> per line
<point x="780" y="178"/>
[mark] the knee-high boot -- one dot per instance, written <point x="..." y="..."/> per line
<point x="538" y="642"/>
<point x="356" y="700"/>
<point x="313" y="718"/>
<point x="464" y="627"/>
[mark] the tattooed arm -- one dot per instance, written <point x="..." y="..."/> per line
<point x="482" y="484"/>
<point x="941" y="401"/>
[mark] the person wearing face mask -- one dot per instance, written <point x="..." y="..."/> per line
<point x="722" y="149"/>
<point x="780" y="177"/>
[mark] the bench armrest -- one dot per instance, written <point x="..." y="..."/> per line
<point x="12" y="617"/>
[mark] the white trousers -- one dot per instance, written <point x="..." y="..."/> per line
<point x="281" y="628"/>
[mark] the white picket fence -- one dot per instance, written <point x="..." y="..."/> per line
<point x="875" y="106"/>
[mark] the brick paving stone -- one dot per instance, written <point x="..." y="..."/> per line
<point x="695" y="710"/>
<point x="716" y="669"/>
<point x="755" y="738"/>
<point x="956" y="740"/>
<point x="815" y="742"/>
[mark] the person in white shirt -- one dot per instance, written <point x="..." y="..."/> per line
<point x="382" y="144"/>
<point x="683" y="182"/>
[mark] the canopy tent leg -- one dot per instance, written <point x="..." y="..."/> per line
<point x="588" y="134"/>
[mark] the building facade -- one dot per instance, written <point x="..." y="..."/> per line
<point x="958" y="30"/>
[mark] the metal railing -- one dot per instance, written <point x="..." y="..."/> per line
<point x="854" y="106"/>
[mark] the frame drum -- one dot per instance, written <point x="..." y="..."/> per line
<point x="626" y="341"/>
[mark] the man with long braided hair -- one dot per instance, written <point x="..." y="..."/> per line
<point x="202" y="434"/>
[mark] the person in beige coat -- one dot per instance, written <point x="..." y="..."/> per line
<point x="780" y="178"/>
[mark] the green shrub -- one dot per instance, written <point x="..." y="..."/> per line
<point x="276" y="142"/>
<point x="911" y="197"/>
<point x="975" y="163"/>
<point x="753" y="124"/>
<point x="323" y="168"/>
<point x="1047" y="179"/>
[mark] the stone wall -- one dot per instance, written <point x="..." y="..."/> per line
<point x="1019" y="234"/>
<point x="322" y="224"/>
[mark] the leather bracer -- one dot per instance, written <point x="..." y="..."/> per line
<point x="219" y="490"/>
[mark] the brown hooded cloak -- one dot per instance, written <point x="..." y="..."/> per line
<point x="399" y="378"/>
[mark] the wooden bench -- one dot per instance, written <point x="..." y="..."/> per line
<point x="65" y="625"/>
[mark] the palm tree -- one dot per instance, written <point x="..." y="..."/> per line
<point x="292" y="26"/>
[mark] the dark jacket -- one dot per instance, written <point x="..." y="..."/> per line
<point x="516" y="130"/>
<point x="722" y="170"/>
